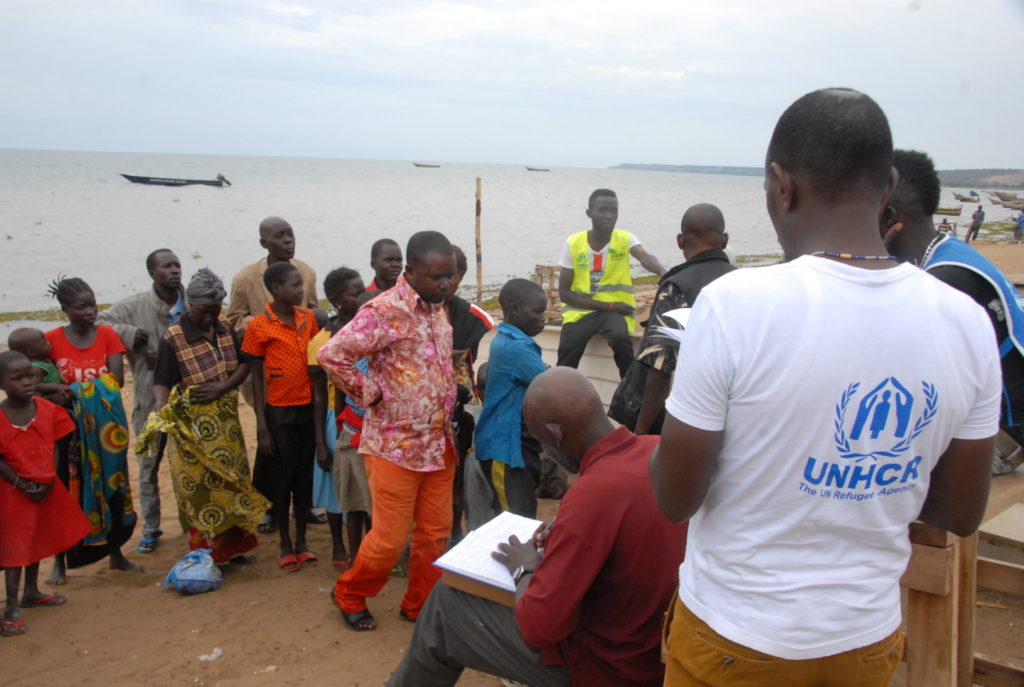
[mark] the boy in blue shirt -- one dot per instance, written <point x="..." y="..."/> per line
<point x="509" y="454"/>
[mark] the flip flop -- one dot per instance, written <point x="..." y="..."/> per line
<point x="342" y="566"/>
<point x="148" y="544"/>
<point x="13" y="628"/>
<point x="289" y="563"/>
<point x="268" y="525"/>
<point x="406" y="617"/>
<point x="48" y="600"/>
<point x="308" y="559"/>
<point x="353" y="621"/>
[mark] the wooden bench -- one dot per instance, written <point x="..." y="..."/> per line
<point x="941" y="580"/>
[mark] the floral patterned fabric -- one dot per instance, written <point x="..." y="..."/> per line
<point x="409" y="344"/>
<point x="217" y="504"/>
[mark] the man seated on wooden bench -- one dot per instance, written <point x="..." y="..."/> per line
<point x="591" y="593"/>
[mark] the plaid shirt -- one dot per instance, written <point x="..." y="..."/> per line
<point x="409" y="343"/>
<point x="199" y="359"/>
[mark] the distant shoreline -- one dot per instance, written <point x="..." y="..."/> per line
<point x="950" y="178"/>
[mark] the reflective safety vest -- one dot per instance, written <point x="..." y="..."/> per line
<point x="951" y="251"/>
<point x="616" y="285"/>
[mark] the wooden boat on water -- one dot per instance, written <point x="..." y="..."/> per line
<point x="1002" y="195"/>
<point x="973" y="198"/>
<point x="949" y="210"/>
<point x="164" y="181"/>
<point x="538" y="169"/>
<point x="424" y="164"/>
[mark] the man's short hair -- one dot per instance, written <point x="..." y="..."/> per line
<point x="919" y="183"/>
<point x="517" y="290"/>
<point x="378" y="245"/>
<point x="605" y="192"/>
<point x="423" y="243"/>
<point x="837" y="139"/>
<point x="277" y="273"/>
<point x="151" y="258"/>
<point x="336" y="280"/>
<point x="461" y="264"/>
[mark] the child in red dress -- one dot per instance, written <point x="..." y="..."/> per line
<point x="38" y="517"/>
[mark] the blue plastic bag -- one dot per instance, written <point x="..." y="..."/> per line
<point x="195" y="573"/>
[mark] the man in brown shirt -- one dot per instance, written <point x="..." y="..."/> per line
<point x="249" y="297"/>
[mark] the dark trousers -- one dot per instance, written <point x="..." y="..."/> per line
<point x="455" y="631"/>
<point x="610" y="325"/>
<point x="515" y="489"/>
<point x="972" y="234"/>
<point x="288" y="472"/>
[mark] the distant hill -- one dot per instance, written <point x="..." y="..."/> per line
<point x="959" y="178"/>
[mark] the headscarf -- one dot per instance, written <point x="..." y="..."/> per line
<point x="205" y="287"/>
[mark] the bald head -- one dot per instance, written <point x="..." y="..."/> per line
<point x="277" y="237"/>
<point x="702" y="228"/>
<point x="564" y="412"/>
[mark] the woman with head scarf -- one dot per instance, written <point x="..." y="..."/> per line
<point x="199" y="367"/>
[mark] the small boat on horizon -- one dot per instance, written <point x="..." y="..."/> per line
<point x="424" y="164"/>
<point x="948" y="210"/>
<point x="538" y="169"/>
<point x="164" y="181"/>
<point x="973" y="198"/>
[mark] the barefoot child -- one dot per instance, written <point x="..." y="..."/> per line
<point x="32" y="342"/>
<point x="343" y="287"/>
<point x="88" y="357"/>
<point x="277" y="341"/>
<point x="38" y="518"/>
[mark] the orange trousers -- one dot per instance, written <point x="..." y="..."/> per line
<point x="401" y="497"/>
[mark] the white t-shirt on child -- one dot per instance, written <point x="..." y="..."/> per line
<point x="837" y="388"/>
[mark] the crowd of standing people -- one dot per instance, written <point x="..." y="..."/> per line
<point x="756" y="484"/>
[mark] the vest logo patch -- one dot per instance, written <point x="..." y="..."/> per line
<point x="871" y="434"/>
<point x="616" y="254"/>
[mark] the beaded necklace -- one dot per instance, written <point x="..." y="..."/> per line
<point x="851" y="256"/>
<point x="930" y="249"/>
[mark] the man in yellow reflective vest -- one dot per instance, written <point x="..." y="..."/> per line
<point x="595" y="284"/>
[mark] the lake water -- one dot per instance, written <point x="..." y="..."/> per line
<point x="71" y="213"/>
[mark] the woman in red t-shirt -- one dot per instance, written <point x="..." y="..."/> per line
<point x="88" y="357"/>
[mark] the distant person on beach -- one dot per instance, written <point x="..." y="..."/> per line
<point x="1018" y="229"/>
<point x="977" y="219"/>
<point x="277" y="343"/>
<point x="639" y="401"/>
<point x="249" y="297"/>
<point x="596" y="286"/>
<point x="910" y="236"/>
<point x="469" y="323"/>
<point x="820" y="406"/>
<point x="88" y="357"/>
<point x="340" y="485"/>
<point x="32" y="343"/>
<point x="946" y="228"/>
<point x="508" y="453"/>
<point x="386" y="262"/>
<point x="38" y="518"/>
<point x="407" y="439"/>
<point x="140" y="321"/>
<point x="591" y="591"/>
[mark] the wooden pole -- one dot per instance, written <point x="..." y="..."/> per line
<point x="479" y="255"/>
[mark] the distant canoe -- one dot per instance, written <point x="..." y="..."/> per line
<point x="162" y="181"/>
<point x="1005" y="196"/>
<point x="538" y="169"/>
<point x="966" y="199"/>
<point x="947" y="210"/>
<point x="423" y="164"/>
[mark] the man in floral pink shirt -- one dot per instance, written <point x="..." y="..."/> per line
<point x="409" y="396"/>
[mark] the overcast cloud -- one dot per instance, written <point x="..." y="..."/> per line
<point x="558" y="82"/>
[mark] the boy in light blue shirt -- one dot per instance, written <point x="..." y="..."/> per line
<point x="509" y="454"/>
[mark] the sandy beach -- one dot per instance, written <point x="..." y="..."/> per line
<point x="278" y="628"/>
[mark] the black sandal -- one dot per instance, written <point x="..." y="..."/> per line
<point x="355" y="620"/>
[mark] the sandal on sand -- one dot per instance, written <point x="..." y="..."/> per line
<point x="148" y="544"/>
<point x="268" y="525"/>
<point x="289" y="563"/>
<point x="357" y="622"/>
<point x="308" y="559"/>
<point x="342" y="566"/>
<point x="12" y="628"/>
<point x="48" y="600"/>
<point x="406" y="617"/>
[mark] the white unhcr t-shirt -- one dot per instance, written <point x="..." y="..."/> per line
<point x="837" y="388"/>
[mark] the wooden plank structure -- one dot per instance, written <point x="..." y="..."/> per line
<point x="941" y="580"/>
<point x="547" y="277"/>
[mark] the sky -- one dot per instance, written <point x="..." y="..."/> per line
<point x="583" y="83"/>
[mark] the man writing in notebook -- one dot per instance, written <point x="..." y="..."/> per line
<point x="592" y="602"/>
